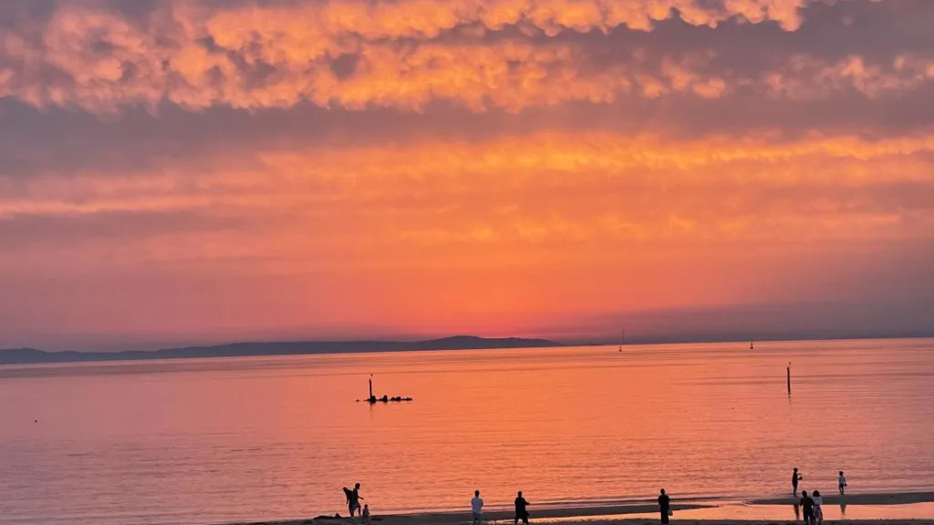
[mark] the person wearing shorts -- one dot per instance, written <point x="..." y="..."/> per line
<point x="476" y="507"/>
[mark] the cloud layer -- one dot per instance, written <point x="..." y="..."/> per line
<point x="344" y="165"/>
<point x="512" y="54"/>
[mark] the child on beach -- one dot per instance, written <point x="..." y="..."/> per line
<point x="841" y="481"/>
<point x="476" y="507"/>
<point x="366" y="514"/>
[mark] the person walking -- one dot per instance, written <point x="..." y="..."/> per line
<point x="664" y="506"/>
<point x="353" y="499"/>
<point x="476" y="507"/>
<point x="522" y="513"/>
<point x="807" y="505"/>
<point x="366" y="515"/>
<point x="841" y="483"/>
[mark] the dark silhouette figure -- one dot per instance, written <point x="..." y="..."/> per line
<point x="808" y="505"/>
<point x="795" y="478"/>
<point x="521" y="512"/>
<point x="664" y="506"/>
<point x="353" y="499"/>
<point x="841" y="483"/>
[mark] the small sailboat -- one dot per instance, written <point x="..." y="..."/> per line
<point x="751" y="347"/>
<point x="622" y="340"/>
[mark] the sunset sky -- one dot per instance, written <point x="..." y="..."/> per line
<point x="201" y="171"/>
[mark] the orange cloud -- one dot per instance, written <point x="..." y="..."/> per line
<point x="543" y="188"/>
<point x="249" y="56"/>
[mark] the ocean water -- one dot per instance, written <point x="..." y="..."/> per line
<point x="223" y="440"/>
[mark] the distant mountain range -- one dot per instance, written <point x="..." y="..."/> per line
<point x="31" y="355"/>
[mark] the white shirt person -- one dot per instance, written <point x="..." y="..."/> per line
<point x="476" y="507"/>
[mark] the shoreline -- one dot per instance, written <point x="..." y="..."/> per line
<point x="872" y="498"/>
<point x="645" y="512"/>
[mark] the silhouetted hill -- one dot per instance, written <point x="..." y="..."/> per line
<point x="31" y="355"/>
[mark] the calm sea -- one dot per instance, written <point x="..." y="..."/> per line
<point x="221" y="440"/>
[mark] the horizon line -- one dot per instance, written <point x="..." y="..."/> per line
<point x="645" y="340"/>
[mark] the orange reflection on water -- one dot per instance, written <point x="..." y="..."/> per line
<point x="207" y="441"/>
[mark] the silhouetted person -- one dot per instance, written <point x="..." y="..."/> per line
<point x="664" y="506"/>
<point x="807" y="504"/>
<point x="476" y="507"/>
<point x="353" y="499"/>
<point x="841" y="483"/>
<point x="818" y="512"/>
<point x="795" y="478"/>
<point x="521" y="512"/>
<point x="366" y="514"/>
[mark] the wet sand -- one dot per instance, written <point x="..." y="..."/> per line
<point x="642" y="513"/>
<point x="426" y="520"/>
<point x="859" y="499"/>
<point x="564" y="514"/>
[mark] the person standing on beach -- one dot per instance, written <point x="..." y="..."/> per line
<point x="807" y="504"/>
<point x="841" y="482"/>
<point x="818" y="513"/>
<point x="795" y="478"/>
<point x="521" y="512"/>
<point x="476" y="507"/>
<point x="664" y="506"/>
<point x="366" y="515"/>
<point x="353" y="499"/>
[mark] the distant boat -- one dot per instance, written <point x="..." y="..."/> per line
<point x="751" y="347"/>
<point x="622" y="341"/>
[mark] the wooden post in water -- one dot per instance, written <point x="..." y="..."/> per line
<point x="371" y="387"/>
<point x="788" y="377"/>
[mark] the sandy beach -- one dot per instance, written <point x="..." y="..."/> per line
<point x="644" y="513"/>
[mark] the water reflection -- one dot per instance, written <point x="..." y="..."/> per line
<point x="569" y="424"/>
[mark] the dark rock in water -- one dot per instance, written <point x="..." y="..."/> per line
<point x="385" y="399"/>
